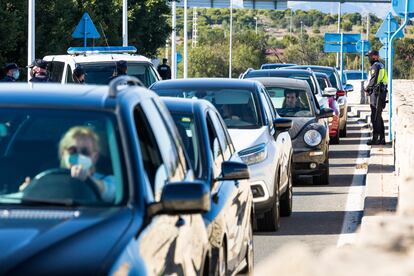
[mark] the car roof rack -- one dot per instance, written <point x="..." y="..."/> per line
<point x="102" y="50"/>
<point x="118" y="84"/>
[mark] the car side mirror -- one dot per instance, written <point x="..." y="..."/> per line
<point x="182" y="198"/>
<point x="282" y="124"/>
<point x="329" y="92"/>
<point x="326" y="113"/>
<point x="349" y="87"/>
<point x="231" y="170"/>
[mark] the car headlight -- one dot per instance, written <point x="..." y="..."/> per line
<point x="254" y="154"/>
<point x="312" y="137"/>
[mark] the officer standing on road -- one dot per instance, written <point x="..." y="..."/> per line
<point x="12" y="72"/>
<point x="39" y="71"/>
<point x="121" y="69"/>
<point x="164" y="70"/>
<point x="377" y="91"/>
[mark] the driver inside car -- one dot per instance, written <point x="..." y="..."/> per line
<point x="291" y="101"/>
<point x="79" y="152"/>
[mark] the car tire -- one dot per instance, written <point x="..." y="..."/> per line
<point x="342" y="132"/>
<point x="248" y="270"/>
<point x="322" y="179"/>
<point x="286" y="203"/>
<point x="271" y="219"/>
<point x="335" y="140"/>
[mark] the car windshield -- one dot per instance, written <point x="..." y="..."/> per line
<point x="57" y="157"/>
<point x="188" y="132"/>
<point x="290" y="102"/>
<point x="275" y="66"/>
<point x="101" y="72"/>
<point x="237" y="106"/>
<point x="322" y="83"/>
<point x="355" y="75"/>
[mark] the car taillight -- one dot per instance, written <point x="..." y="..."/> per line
<point x="340" y="93"/>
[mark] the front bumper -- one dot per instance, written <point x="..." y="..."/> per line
<point x="309" y="162"/>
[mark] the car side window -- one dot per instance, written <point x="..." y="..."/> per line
<point x="270" y="103"/>
<point x="174" y="134"/>
<point x="155" y="169"/>
<point x="69" y="78"/>
<point x="269" y="116"/>
<point x="215" y="148"/>
<point x="165" y="141"/>
<point x="56" y="70"/>
<point x="221" y="135"/>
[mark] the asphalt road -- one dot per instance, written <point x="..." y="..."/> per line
<point x="319" y="212"/>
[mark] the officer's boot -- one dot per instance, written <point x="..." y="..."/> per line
<point x="374" y="141"/>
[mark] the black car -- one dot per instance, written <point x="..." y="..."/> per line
<point x="293" y="99"/>
<point x="276" y="65"/>
<point x="215" y="162"/>
<point x="96" y="182"/>
<point x="342" y="90"/>
<point x="259" y="135"/>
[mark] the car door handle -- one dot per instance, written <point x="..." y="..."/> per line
<point x="180" y="222"/>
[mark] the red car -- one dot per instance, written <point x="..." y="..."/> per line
<point x="334" y="132"/>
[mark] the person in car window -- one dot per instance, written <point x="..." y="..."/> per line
<point x="79" y="75"/>
<point x="291" y="101"/>
<point x="121" y="69"/>
<point x="79" y="152"/>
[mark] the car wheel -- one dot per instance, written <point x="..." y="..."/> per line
<point x="221" y="269"/>
<point x="323" y="179"/>
<point x="286" y="202"/>
<point x="342" y="132"/>
<point x="248" y="270"/>
<point x="335" y="140"/>
<point x="271" y="219"/>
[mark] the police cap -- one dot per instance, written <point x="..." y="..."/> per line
<point x="38" y="63"/>
<point x="372" y="53"/>
<point x="11" y="66"/>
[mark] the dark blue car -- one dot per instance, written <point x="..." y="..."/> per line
<point x="96" y="182"/>
<point x="216" y="162"/>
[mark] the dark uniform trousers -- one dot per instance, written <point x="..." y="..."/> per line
<point x="377" y="122"/>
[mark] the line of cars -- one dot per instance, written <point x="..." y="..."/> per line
<point x="173" y="186"/>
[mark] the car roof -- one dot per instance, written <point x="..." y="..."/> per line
<point x="315" y="67"/>
<point x="353" y="71"/>
<point x="46" y="95"/>
<point x="320" y="74"/>
<point x="284" y="82"/>
<point x="189" y="106"/>
<point x="207" y="83"/>
<point x="97" y="58"/>
<point x="269" y="72"/>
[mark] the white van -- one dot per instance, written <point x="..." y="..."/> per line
<point x="100" y="64"/>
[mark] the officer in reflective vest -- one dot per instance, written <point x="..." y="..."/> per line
<point x="377" y="91"/>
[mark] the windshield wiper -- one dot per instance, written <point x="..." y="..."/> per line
<point x="48" y="202"/>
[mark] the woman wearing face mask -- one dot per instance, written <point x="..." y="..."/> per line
<point x="79" y="152"/>
<point x="12" y="73"/>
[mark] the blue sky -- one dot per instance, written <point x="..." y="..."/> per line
<point x="380" y="10"/>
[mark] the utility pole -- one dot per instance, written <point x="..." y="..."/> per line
<point x="291" y="23"/>
<point x="174" y="41"/>
<point x="255" y="18"/>
<point x="301" y="29"/>
<point x="339" y="30"/>
<point x="31" y="36"/>
<point x="185" y="69"/>
<point x="231" y="38"/>
<point x="368" y="23"/>
<point x="124" y="22"/>
<point x="195" y="31"/>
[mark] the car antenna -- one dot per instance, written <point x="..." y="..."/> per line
<point x="106" y="40"/>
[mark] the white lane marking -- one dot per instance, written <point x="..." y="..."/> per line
<point x="355" y="200"/>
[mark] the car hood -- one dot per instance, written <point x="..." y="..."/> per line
<point x="51" y="241"/>
<point x="246" y="138"/>
<point x="299" y="123"/>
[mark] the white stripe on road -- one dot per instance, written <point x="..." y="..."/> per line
<point x="355" y="201"/>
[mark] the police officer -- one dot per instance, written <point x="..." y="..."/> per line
<point x="377" y="91"/>
<point x="164" y="70"/>
<point x="79" y="75"/>
<point x="121" y="69"/>
<point x="39" y="71"/>
<point x="12" y="72"/>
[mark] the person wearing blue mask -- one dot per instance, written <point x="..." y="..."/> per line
<point x="12" y="73"/>
<point x="79" y="152"/>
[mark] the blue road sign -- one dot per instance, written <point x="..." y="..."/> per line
<point x="179" y="57"/>
<point x="383" y="52"/>
<point x="333" y="43"/>
<point x="363" y="46"/>
<point x="388" y="26"/>
<point x="399" y="7"/>
<point x="85" y="29"/>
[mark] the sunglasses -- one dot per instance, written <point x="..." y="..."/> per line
<point x="74" y="150"/>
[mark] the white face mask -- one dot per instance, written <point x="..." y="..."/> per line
<point x="78" y="159"/>
<point x="16" y="74"/>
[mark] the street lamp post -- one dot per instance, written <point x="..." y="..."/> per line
<point x="301" y="28"/>
<point x="31" y="36"/>
<point x="173" y="41"/>
<point x="125" y="23"/>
